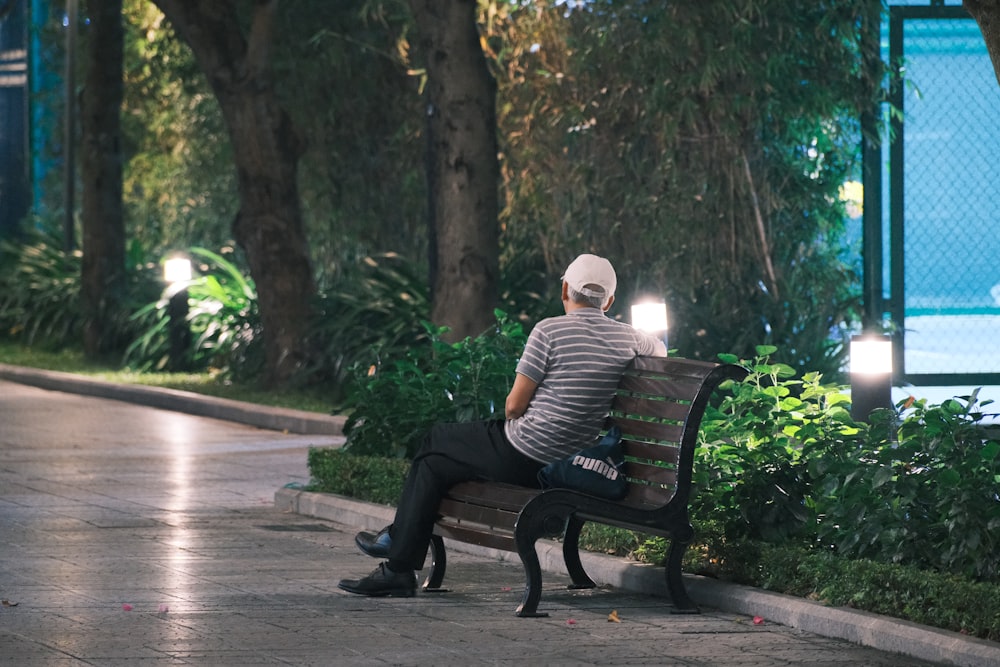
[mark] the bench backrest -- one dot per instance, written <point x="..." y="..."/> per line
<point x="659" y="406"/>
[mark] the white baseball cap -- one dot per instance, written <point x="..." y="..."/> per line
<point x="590" y="271"/>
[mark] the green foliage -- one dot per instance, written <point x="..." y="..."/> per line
<point x="374" y="310"/>
<point x="929" y="499"/>
<point x="752" y="469"/>
<point x="691" y="142"/>
<point x="341" y="70"/>
<point x="374" y="479"/>
<point x="40" y="291"/>
<point x="701" y="145"/>
<point x="222" y="318"/>
<point x="393" y="403"/>
<point x="610" y="539"/>
<point x="780" y="460"/>
<point x="179" y="184"/>
<point x="944" y="601"/>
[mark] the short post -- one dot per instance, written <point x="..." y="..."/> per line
<point x="177" y="273"/>
<point x="871" y="375"/>
<point x="651" y="317"/>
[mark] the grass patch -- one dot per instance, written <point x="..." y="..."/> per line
<point x="311" y="399"/>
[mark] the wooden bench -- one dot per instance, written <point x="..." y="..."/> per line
<point x="659" y="406"/>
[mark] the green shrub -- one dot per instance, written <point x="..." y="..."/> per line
<point x="375" y="310"/>
<point x="393" y="404"/>
<point x="752" y="466"/>
<point x="373" y="479"/>
<point x="940" y="600"/>
<point x="929" y="499"/>
<point x="40" y="291"/>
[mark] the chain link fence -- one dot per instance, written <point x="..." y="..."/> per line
<point x="944" y="199"/>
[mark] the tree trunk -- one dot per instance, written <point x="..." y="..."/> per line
<point x="987" y="15"/>
<point x="103" y="271"/>
<point x="266" y="151"/>
<point x="462" y="168"/>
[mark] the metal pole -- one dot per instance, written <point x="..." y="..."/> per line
<point x="69" y="130"/>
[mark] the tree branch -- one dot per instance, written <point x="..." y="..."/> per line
<point x="987" y="15"/>
<point x="761" y="231"/>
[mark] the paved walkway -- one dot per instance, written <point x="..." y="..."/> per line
<point x="131" y="535"/>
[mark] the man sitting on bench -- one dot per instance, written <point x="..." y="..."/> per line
<point x="565" y="382"/>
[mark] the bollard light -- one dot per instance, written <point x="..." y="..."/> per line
<point x="177" y="273"/>
<point x="177" y="270"/>
<point x="871" y="374"/>
<point x="651" y="317"/>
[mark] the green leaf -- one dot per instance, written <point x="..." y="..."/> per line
<point x="949" y="477"/>
<point x="990" y="450"/>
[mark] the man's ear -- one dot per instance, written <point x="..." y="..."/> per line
<point x="565" y="291"/>
<point x="611" y="300"/>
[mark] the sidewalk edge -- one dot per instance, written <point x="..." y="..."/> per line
<point x="277" y="419"/>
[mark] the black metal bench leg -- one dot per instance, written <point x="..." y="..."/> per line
<point x="675" y="580"/>
<point x="439" y="562"/>
<point x="533" y="578"/>
<point x="571" y="556"/>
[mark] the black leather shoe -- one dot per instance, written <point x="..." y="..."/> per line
<point x="383" y="582"/>
<point x="375" y="545"/>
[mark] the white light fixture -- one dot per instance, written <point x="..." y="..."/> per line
<point x="177" y="273"/>
<point x="871" y="355"/>
<point x="650" y="317"/>
<point x="177" y="270"/>
<point x="871" y="375"/>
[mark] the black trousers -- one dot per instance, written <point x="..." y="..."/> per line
<point x="451" y="453"/>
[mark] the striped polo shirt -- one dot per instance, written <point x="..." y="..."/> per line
<point x="576" y="360"/>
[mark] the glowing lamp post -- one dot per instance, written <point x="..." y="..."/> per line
<point x="177" y="274"/>
<point x="652" y="318"/>
<point x="871" y="375"/>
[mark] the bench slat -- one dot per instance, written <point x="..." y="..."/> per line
<point x="477" y="535"/>
<point x="647" y="407"/>
<point x="488" y="516"/>
<point x="672" y="367"/>
<point x="501" y="496"/>
<point x="650" y="430"/>
<point x="653" y="386"/>
<point x="646" y="451"/>
<point x="652" y="474"/>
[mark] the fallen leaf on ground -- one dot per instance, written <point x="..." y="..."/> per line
<point x="758" y="620"/>
<point x="613" y="617"/>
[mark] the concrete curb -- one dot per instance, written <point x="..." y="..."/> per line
<point x="863" y="628"/>
<point x="276" y="419"/>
